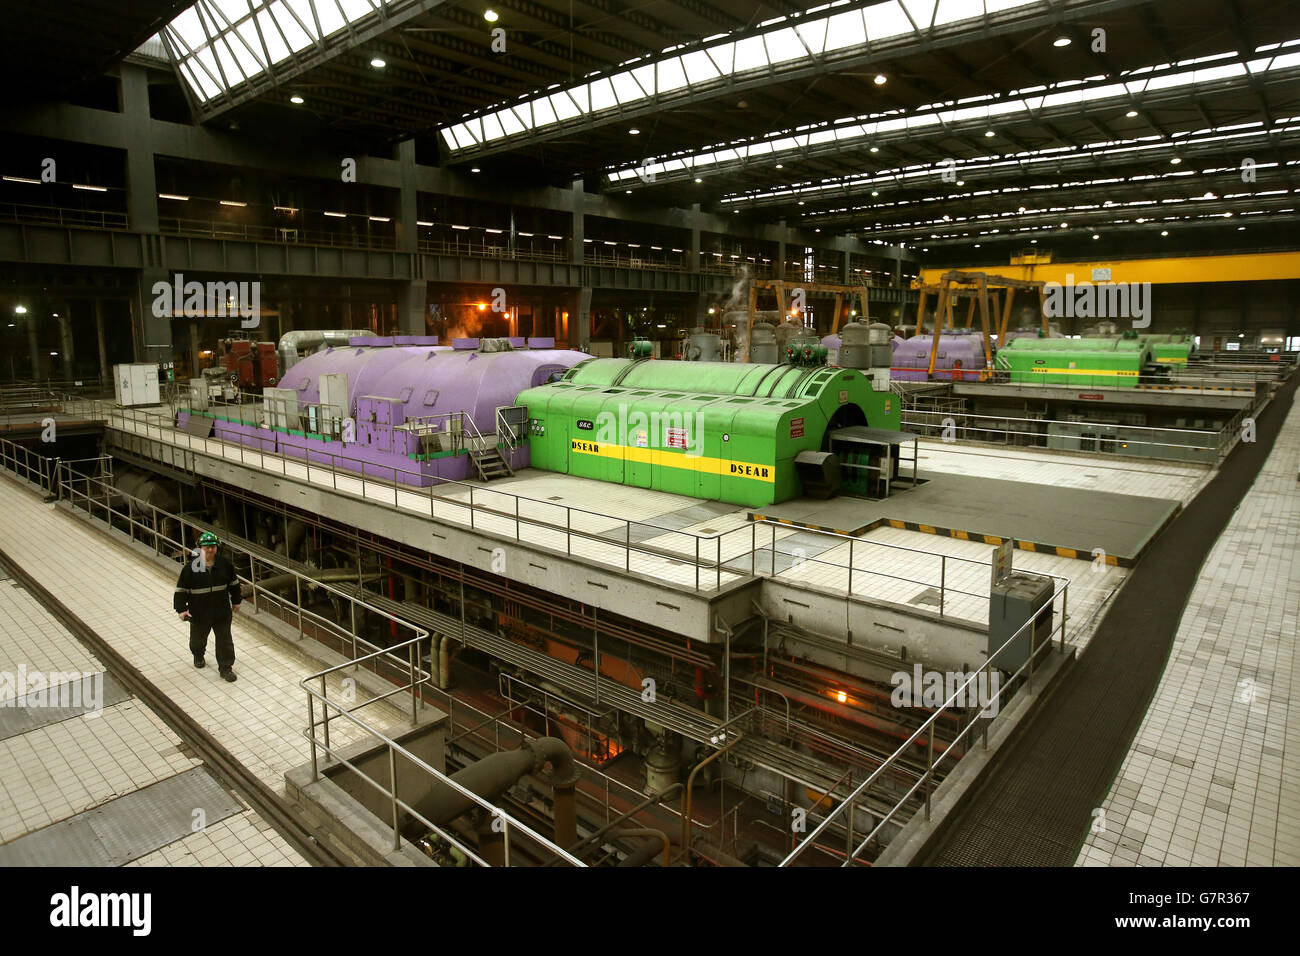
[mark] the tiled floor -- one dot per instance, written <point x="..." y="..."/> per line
<point x="1213" y="777"/>
<point x="65" y="768"/>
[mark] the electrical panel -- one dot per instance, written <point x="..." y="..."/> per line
<point x="1013" y="600"/>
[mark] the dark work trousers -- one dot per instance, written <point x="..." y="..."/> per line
<point x="199" y="627"/>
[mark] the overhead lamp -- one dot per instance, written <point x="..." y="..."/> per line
<point x="20" y="179"/>
<point x="634" y="132"/>
<point x="490" y="15"/>
<point x="1131" y="113"/>
<point x="233" y="202"/>
<point x="1033" y="242"/>
<point x="1064" y="224"/>
<point x="698" y="179"/>
<point x="379" y="63"/>
<point x="527" y="235"/>
<point x="875" y="149"/>
<point x="801" y="202"/>
<point x="875" y="192"/>
<point x="1241" y="228"/>
<point x="20" y="309"/>
<point x="336" y="215"/>
<point x="780" y="165"/>
<point x="989" y="132"/>
<point x="482" y="306"/>
<point x="1175" y="161"/>
<point x="475" y="169"/>
<point x="817" y="229"/>
<point x="880" y="79"/>
<point x="629" y="192"/>
<point x="421" y="222"/>
<point x="93" y="189"/>
<point x="174" y="196"/>
<point x="462" y="228"/>
<point x="1095" y="236"/>
<point x="977" y="245"/>
<point x="296" y="100"/>
<point x="1061" y="41"/>
<point x="1164" y="232"/>
<point x="557" y="238"/>
<point x="961" y="182"/>
<point x="495" y="232"/>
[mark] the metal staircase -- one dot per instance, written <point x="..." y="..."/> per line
<point x="490" y="463"/>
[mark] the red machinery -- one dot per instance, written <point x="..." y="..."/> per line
<point x="249" y="364"/>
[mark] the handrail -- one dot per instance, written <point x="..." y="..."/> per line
<point x="708" y="557"/>
<point x="928" y="728"/>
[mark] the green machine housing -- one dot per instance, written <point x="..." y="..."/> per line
<point x="1122" y="362"/>
<point x="725" y="432"/>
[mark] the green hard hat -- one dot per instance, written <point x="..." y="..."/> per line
<point x="207" y="540"/>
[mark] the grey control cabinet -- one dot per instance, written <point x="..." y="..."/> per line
<point x="1013" y="600"/>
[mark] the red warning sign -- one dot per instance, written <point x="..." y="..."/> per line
<point x="796" y="428"/>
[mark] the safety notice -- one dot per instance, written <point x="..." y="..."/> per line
<point x="796" y="428"/>
<point x="677" y="438"/>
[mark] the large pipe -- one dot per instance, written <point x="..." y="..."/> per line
<point x="444" y="662"/>
<point x="327" y="576"/>
<point x="647" y="851"/>
<point x="294" y="346"/>
<point x="497" y="773"/>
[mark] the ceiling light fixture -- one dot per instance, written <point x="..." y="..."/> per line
<point x="174" y="196"/>
<point x="296" y="100"/>
<point x="379" y="63"/>
<point x="881" y="79"/>
<point x="475" y="169"/>
<point x="490" y="16"/>
<point x="634" y="132"/>
<point x="1175" y="161"/>
<point x="1131" y="113"/>
<point x="989" y="132"/>
<point x="1061" y="41"/>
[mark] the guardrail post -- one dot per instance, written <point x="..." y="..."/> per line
<point x="412" y="648"/>
<point x="943" y="580"/>
<point x="627" y="544"/>
<point x="929" y="769"/>
<point x="325" y="703"/>
<point x="392" y="779"/>
<point x="297" y="583"/>
<point x="311" y="733"/>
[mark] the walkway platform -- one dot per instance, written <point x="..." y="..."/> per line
<point x="1069" y="522"/>
<point x="83" y="762"/>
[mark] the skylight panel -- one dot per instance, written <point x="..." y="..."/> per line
<point x="511" y="123"/>
<point x="887" y="20"/>
<point x="814" y="35"/>
<point x="543" y="112"/>
<point x="303" y="10"/>
<point x="749" y="54"/>
<point x="626" y="87"/>
<point x="492" y="128"/>
<point x="922" y="11"/>
<point x="602" y="95"/>
<point x="294" y="34"/>
<point x="783" y="46"/>
<point x="564" y="106"/>
<point x="671" y="75"/>
<point x="355" y="9"/>
<point x="244" y="41"/>
<point x="331" y="19"/>
<point x="234" y="10"/>
<point x="229" y="63"/>
<point x="845" y="30"/>
<point x="699" y="67"/>
<point x="188" y="28"/>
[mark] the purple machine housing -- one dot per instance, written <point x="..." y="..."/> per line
<point x="392" y="381"/>
<point x="961" y="351"/>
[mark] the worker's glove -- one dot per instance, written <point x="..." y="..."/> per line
<point x="184" y="615"/>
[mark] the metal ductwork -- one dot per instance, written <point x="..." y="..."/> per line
<point x="294" y="346"/>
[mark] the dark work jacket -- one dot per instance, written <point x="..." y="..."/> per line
<point x="208" y="593"/>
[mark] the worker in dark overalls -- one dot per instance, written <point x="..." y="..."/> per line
<point x="207" y="594"/>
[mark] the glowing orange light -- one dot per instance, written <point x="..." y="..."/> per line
<point x="842" y="697"/>
<point x="482" y="306"/>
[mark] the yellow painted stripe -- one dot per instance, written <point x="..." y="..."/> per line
<point x="928" y="529"/>
<point x="660" y="458"/>
<point x="1067" y="553"/>
<point x="897" y="524"/>
<point x="1027" y="546"/>
<point x="1054" y="370"/>
<point x="961" y="534"/>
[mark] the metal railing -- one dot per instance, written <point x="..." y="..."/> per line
<point x="290" y="235"/>
<point x="976" y="721"/>
<point x="481" y="249"/>
<point x="101" y="501"/>
<point x="59" y="216"/>
<point x="1204" y="445"/>
<point x="710" y="559"/>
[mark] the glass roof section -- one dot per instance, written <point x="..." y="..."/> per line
<point x="823" y="30"/>
<point x="218" y="44"/>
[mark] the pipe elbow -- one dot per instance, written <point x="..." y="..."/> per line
<point x="554" y="751"/>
